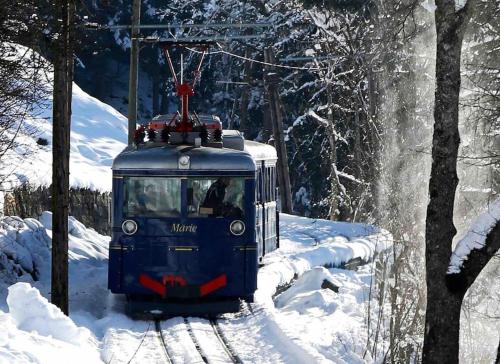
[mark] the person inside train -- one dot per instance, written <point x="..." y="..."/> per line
<point x="215" y="199"/>
<point x="215" y="195"/>
<point x="151" y="197"/>
<point x="147" y="199"/>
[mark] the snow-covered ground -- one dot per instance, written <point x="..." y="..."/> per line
<point x="98" y="134"/>
<point x="304" y="324"/>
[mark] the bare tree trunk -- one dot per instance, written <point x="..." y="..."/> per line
<point x="442" y="321"/>
<point x="245" y="97"/>
<point x="279" y="139"/>
<point x="63" y="78"/>
<point x="334" y="178"/>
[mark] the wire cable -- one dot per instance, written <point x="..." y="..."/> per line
<point x="270" y="64"/>
<point x="246" y="59"/>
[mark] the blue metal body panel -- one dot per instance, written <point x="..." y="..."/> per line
<point x="199" y="255"/>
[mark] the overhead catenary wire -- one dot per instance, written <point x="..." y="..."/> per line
<point x="216" y="25"/>
<point x="222" y="50"/>
<point x="246" y="59"/>
<point x="180" y="26"/>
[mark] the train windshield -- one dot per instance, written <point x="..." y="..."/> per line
<point x="152" y="196"/>
<point x="215" y="197"/>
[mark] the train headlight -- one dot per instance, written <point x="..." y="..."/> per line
<point x="237" y="227"/>
<point x="129" y="227"/>
<point x="184" y="162"/>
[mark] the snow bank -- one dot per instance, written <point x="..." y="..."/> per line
<point x="98" y="134"/>
<point x="24" y="252"/>
<point x="33" y="330"/>
<point x="309" y="281"/>
<point x="36" y="331"/>
<point x="32" y="312"/>
<point x="329" y="325"/>
<point x="25" y="257"/>
<point x="307" y="243"/>
<point x="475" y="237"/>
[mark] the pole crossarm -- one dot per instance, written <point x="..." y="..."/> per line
<point x="207" y="39"/>
<point x="97" y="26"/>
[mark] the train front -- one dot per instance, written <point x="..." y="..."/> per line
<point x="183" y="229"/>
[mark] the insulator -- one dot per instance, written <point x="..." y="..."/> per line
<point x="165" y="134"/>
<point x="151" y="135"/>
<point x="139" y="135"/>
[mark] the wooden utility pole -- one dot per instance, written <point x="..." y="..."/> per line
<point x="134" y="70"/>
<point x="63" y="79"/>
<point x="272" y="80"/>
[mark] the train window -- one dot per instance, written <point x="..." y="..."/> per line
<point x="216" y="197"/>
<point x="258" y="182"/>
<point x="273" y="189"/>
<point x="274" y="184"/>
<point x="268" y="184"/>
<point x="264" y="184"/>
<point x="152" y="196"/>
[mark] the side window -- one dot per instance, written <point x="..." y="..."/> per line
<point x="258" y="196"/>
<point x="269" y="179"/>
<point x="273" y="184"/>
<point x="266" y="184"/>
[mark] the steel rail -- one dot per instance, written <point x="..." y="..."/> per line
<point x="195" y="341"/>
<point x="225" y="343"/>
<point x="159" y="334"/>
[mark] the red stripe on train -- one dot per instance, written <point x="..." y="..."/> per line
<point x="153" y="285"/>
<point x="213" y="285"/>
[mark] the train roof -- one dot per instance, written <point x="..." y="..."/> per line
<point x="235" y="155"/>
<point x="260" y="151"/>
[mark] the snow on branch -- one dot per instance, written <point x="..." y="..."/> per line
<point x="325" y="123"/>
<point x="350" y="177"/>
<point x="475" y="239"/>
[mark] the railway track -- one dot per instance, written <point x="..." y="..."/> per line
<point x="175" y="341"/>
<point x="172" y="342"/>
<point x="163" y="344"/>
<point x="197" y="340"/>
<point x="225" y="343"/>
<point x="210" y="341"/>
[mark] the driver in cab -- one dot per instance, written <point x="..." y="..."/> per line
<point x="214" y="199"/>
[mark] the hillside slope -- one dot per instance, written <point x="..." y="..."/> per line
<point x="98" y="134"/>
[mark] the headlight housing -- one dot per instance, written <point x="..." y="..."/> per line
<point x="129" y="227"/>
<point x="237" y="227"/>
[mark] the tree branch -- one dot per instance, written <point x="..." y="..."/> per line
<point x="476" y="261"/>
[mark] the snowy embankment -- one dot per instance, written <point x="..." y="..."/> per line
<point x="307" y="243"/>
<point x="33" y="330"/>
<point x="98" y="134"/>
<point x="307" y="323"/>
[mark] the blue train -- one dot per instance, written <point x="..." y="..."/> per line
<point x="191" y="220"/>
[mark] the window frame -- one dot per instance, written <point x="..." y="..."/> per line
<point x="122" y="194"/>
<point x="148" y="214"/>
